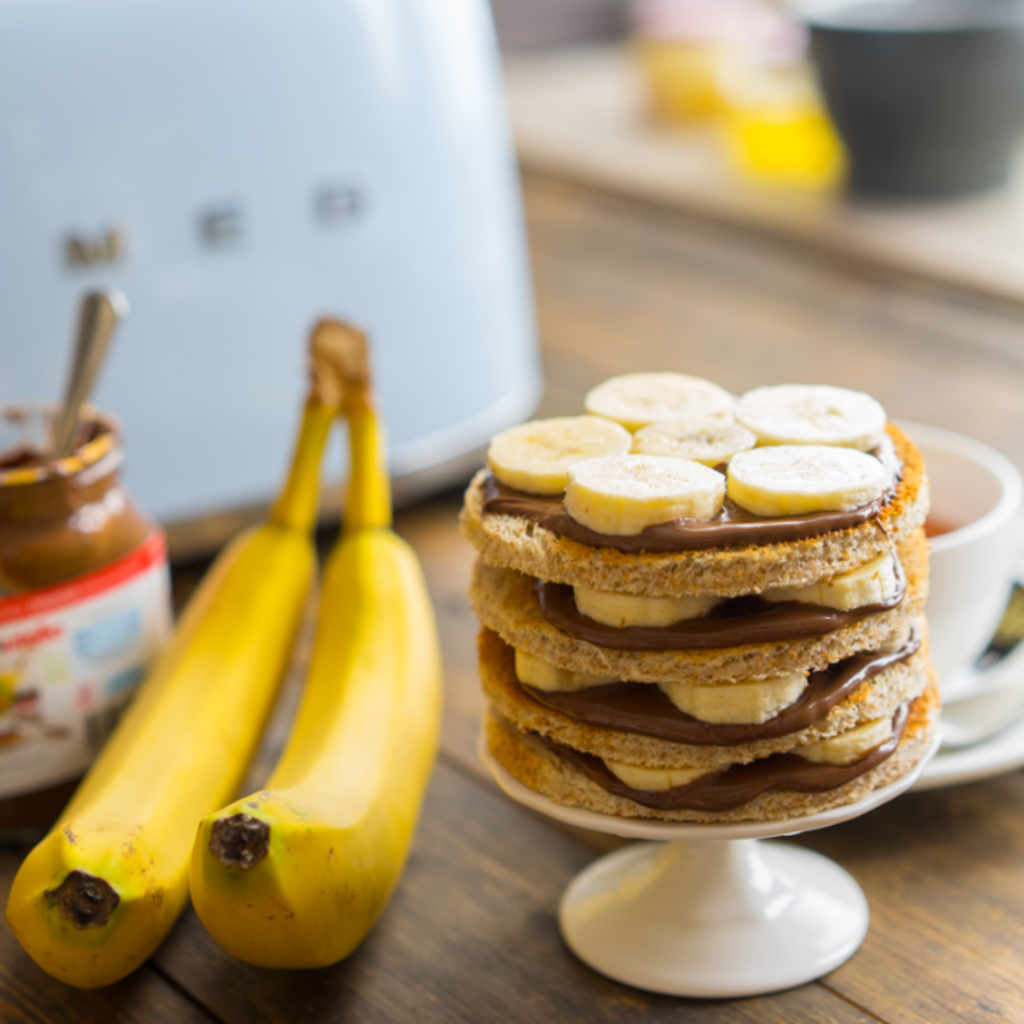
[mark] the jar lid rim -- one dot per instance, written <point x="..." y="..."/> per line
<point x="84" y="458"/>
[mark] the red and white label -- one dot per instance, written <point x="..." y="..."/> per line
<point x="71" y="655"/>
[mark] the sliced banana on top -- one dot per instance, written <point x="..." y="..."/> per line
<point x="621" y="495"/>
<point x="536" y="456"/>
<point x="871" y="583"/>
<point x="621" y="610"/>
<point x="748" y="702"/>
<point x="707" y="440"/>
<point x="798" y="479"/>
<point x="655" y="780"/>
<point x="636" y="399"/>
<point x="812" y="414"/>
<point x="849" y="746"/>
<point x="542" y="675"/>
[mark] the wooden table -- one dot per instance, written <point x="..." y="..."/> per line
<point x="471" y="934"/>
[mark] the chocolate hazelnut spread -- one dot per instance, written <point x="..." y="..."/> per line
<point x="738" y="784"/>
<point x="732" y="527"/>
<point x="83" y="608"/>
<point x="736" y="621"/>
<point x="644" y="709"/>
<point x="60" y="518"/>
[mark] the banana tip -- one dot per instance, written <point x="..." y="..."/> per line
<point x="240" y="841"/>
<point x="83" y="899"/>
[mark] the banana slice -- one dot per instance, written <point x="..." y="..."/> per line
<point x="542" y="675"/>
<point x="623" y="494"/>
<point x="870" y="583"/>
<point x="708" y="440"/>
<point x="897" y="641"/>
<point x="849" y="746"/>
<point x="812" y="414"/>
<point x="751" y="701"/>
<point x="620" y="610"/>
<point x="636" y="399"/>
<point x="655" y="779"/>
<point x="535" y="456"/>
<point x="797" y="479"/>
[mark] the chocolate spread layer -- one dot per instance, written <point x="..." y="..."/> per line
<point x="733" y="527"/>
<point x="644" y="709"/>
<point x="736" y="621"/>
<point x="740" y="783"/>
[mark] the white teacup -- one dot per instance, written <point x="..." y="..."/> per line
<point x="976" y="502"/>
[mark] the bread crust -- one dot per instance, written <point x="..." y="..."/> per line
<point x="525" y="758"/>
<point x="513" y="543"/>
<point x="878" y="697"/>
<point x="505" y="602"/>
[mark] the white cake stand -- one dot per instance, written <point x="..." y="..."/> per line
<point x="708" y="911"/>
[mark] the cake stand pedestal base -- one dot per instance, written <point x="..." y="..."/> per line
<point x="714" y="919"/>
<point x="708" y="911"/>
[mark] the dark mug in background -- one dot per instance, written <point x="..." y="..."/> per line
<point x="928" y="95"/>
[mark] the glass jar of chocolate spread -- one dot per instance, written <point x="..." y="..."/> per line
<point x="84" y="607"/>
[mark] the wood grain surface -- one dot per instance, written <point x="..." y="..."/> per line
<point x="28" y="996"/>
<point x="471" y="935"/>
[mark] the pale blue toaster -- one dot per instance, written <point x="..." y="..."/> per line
<point x="239" y="168"/>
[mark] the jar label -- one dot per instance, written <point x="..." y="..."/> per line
<point x="70" y="657"/>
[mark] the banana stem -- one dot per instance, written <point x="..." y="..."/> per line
<point x="296" y="505"/>
<point x="368" y="505"/>
<point x="344" y="349"/>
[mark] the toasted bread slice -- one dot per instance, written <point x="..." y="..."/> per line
<point x="877" y="697"/>
<point x="514" y="543"/>
<point x="506" y="602"/>
<point x="543" y="770"/>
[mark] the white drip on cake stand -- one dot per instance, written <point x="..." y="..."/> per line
<point x="708" y="911"/>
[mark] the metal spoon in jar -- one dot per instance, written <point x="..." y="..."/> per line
<point x="98" y="315"/>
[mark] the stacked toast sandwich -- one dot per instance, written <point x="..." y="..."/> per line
<point x="702" y="608"/>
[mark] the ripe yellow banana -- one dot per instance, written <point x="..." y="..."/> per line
<point x="621" y="610"/>
<point x="296" y="875"/>
<point x="792" y="480"/>
<point x="655" y="779"/>
<point x="624" y="494"/>
<point x="812" y="414"/>
<point x="710" y="440"/>
<point x="638" y="399"/>
<point x="542" y="675"/>
<point x="848" y="746"/>
<point x="871" y="583"/>
<point x="536" y="456"/>
<point x="97" y="896"/>
<point x="748" y="701"/>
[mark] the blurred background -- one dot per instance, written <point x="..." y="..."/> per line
<point x="517" y="200"/>
<point x="909" y="99"/>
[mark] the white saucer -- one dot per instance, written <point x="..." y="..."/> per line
<point x="1002" y="754"/>
<point x="711" y="912"/>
